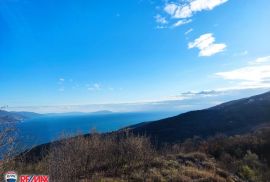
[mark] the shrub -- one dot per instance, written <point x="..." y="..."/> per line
<point x="82" y="157"/>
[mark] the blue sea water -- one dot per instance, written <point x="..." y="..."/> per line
<point x="50" y="128"/>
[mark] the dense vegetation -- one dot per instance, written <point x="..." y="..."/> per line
<point x="134" y="158"/>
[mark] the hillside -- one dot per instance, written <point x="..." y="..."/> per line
<point x="133" y="158"/>
<point x="230" y="118"/>
<point x="11" y="117"/>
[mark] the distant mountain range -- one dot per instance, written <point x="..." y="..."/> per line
<point x="230" y="118"/>
<point x="11" y="117"/>
<point x="102" y="112"/>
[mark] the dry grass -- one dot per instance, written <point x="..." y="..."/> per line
<point x="126" y="158"/>
<point x="122" y="158"/>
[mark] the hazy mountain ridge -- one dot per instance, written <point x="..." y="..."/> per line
<point x="11" y="117"/>
<point x="101" y="112"/>
<point x="17" y="116"/>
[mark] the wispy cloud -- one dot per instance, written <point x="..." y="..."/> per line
<point x="188" y="8"/>
<point x="242" y="53"/>
<point x="178" y="10"/>
<point x="202" y="93"/>
<point x="181" y="22"/>
<point x="189" y="31"/>
<point x="93" y="87"/>
<point x="160" y="19"/>
<point x="185" y="9"/>
<point x="207" y="46"/>
<point x="261" y="60"/>
<point x="254" y="75"/>
<point x="61" y="82"/>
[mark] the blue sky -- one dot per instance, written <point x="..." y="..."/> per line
<point x="62" y="53"/>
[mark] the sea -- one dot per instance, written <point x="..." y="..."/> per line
<point x="49" y="128"/>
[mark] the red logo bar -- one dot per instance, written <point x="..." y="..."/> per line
<point x="34" y="178"/>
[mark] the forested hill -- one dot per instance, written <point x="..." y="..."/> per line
<point x="234" y="117"/>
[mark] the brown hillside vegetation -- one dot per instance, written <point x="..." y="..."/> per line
<point x="134" y="158"/>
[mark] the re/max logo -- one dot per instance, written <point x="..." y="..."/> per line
<point x="34" y="178"/>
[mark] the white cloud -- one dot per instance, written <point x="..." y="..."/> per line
<point x="207" y="46"/>
<point x="160" y="19"/>
<point x="256" y="75"/>
<point x="188" y="31"/>
<point x="61" y="79"/>
<point x="170" y="8"/>
<point x="182" y="12"/>
<point x="161" y="27"/>
<point x="202" y="93"/>
<point x="199" y="5"/>
<point x="187" y="9"/>
<point x="182" y="22"/>
<point x="248" y="73"/>
<point x="184" y="9"/>
<point x="262" y="60"/>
